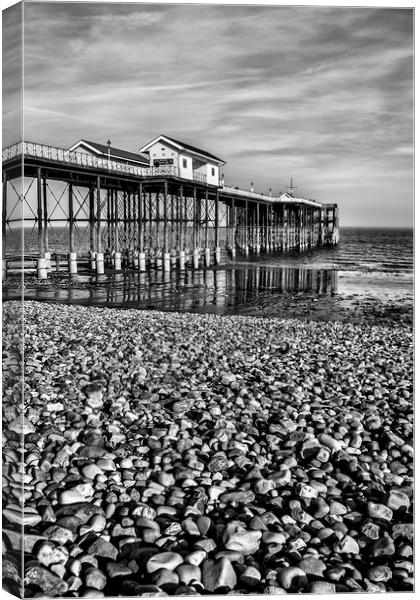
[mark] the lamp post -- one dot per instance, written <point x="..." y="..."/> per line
<point x="109" y="153"/>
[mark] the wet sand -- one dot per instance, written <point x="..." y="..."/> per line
<point x="288" y="292"/>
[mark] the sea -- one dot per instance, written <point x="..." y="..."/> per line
<point x="367" y="266"/>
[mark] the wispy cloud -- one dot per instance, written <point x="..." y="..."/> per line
<point x="321" y="94"/>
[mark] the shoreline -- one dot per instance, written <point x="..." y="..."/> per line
<point x="188" y="453"/>
<point x="348" y="296"/>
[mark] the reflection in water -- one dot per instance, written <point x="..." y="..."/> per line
<point x="220" y="290"/>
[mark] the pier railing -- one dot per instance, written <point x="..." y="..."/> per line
<point x="87" y="160"/>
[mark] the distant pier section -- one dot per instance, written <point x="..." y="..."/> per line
<point x="95" y="207"/>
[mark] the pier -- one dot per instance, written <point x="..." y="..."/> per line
<point x="93" y="209"/>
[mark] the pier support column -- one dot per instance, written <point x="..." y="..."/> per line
<point x="196" y="258"/>
<point x="207" y="256"/>
<point x="217" y="256"/>
<point x="41" y="268"/>
<point x="98" y="218"/>
<point x="267" y="229"/>
<point x="57" y="262"/>
<point x="92" y="221"/>
<point x="142" y="261"/>
<point x="166" y="261"/>
<point x="140" y="222"/>
<point x="257" y="224"/>
<point x="47" y="256"/>
<point x="232" y="227"/>
<point x="216" y="226"/>
<point x="117" y="261"/>
<point x="247" y="240"/>
<point x="182" y="260"/>
<point x="72" y="263"/>
<point x="3" y="228"/>
<point x="40" y="221"/>
<point x="72" y="254"/>
<point x="206" y="221"/>
<point x="100" y="270"/>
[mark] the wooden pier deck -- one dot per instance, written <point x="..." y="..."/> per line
<point x="66" y="209"/>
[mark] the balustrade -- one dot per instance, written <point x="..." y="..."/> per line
<point x="85" y="160"/>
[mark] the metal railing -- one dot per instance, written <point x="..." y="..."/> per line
<point x="273" y="199"/>
<point x="201" y="177"/>
<point x="85" y="160"/>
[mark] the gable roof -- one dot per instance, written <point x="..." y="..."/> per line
<point x="183" y="146"/>
<point x="114" y="152"/>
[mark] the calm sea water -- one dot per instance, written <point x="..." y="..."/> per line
<point x="369" y="263"/>
<point x="368" y="250"/>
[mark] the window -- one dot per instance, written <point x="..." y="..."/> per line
<point x="213" y="171"/>
<point x="184" y="163"/>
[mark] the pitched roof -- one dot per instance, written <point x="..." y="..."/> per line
<point x="115" y="152"/>
<point x="194" y="149"/>
<point x="187" y="147"/>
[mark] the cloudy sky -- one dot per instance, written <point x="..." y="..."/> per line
<point x="323" y="95"/>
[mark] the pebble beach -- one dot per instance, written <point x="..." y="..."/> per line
<point x="193" y="454"/>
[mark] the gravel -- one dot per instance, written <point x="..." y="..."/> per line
<point x="186" y="454"/>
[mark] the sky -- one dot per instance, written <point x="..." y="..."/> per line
<point x="320" y="94"/>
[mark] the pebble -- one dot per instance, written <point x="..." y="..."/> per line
<point x="384" y="546"/>
<point x="322" y="587"/>
<point x="245" y="541"/>
<point x="227" y="466"/>
<point x="103" y="549"/>
<point x="398" y="500"/>
<point x="379" y="511"/>
<point x="218" y="576"/>
<point x="164" y="560"/>
<point x="292" y="578"/>
<point x="347" y="545"/>
<point x="95" y="579"/>
<point x="313" y="567"/>
<point x="50" y="584"/>
<point x="80" y="493"/>
<point x="250" y="577"/>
